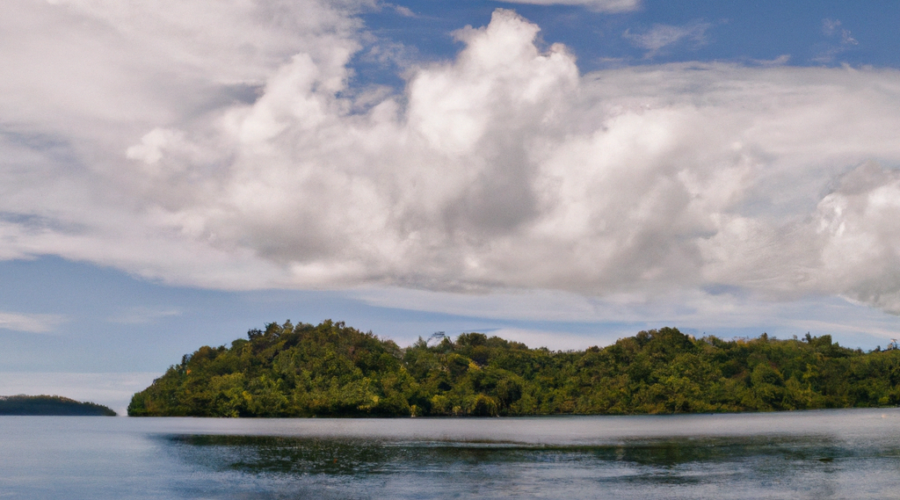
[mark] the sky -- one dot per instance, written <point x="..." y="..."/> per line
<point x="558" y="172"/>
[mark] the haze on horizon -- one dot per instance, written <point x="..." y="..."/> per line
<point x="557" y="172"/>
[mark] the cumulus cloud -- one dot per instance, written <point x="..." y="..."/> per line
<point x="503" y="168"/>
<point x="91" y="79"/>
<point x="858" y="225"/>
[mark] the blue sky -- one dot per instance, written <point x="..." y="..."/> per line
<point x="560" y="173"/>
<point x="743" y="32"/>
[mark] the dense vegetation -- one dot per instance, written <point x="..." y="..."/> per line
<point x="334" y="370"/>
<point x="51" y="405"/>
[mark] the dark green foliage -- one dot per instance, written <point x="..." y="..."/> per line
<point x="51" y="405"/>
<point x="334" y="370"/>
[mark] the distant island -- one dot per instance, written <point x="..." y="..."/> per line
<point x="51" y="405"/>
<point x="337" y="371"/>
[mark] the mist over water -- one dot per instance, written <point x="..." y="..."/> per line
<point x="820" y="454"/>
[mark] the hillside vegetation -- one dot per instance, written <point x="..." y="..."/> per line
<point x="51" y="405"/>
<point x="335" y="370"/>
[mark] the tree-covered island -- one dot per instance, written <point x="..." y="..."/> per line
<point x="335" y="370"/>
<point x="51" y="405"/>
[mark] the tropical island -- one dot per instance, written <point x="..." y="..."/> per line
<point x="51" y="406"/>
<point x="334" y="370"/>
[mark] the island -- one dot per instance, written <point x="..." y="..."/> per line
<point x="334" y="370"/>
<point x="51" y="406"/>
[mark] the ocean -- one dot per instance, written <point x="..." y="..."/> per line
<point x="814" y="454"/>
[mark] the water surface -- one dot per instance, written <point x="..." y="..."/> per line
<point x="819" y="454"/>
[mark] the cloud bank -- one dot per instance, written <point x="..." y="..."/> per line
<point x="232" y="153"/>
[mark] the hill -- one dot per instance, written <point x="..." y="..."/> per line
<point x="51" y="405"/>
<point x="334" y="370"/>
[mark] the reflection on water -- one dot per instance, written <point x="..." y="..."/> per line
<point x="287" y="455"/>
<point x="827" y="454"/>
<point x="738" y="467"/>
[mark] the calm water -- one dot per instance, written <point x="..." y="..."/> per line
<point x="822" y="454"/>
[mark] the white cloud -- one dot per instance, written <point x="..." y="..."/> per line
<point x="664" y="35"/>
<point x="503" y="168"/>
<point x="31" y="323"/>
<point x="598" y="5"/>
<point x="399" y="9"/>
<point x="832" y="28"/>
<point x="143" y="315"/>
<point x="90" y="78"/>
<point x="778" y="61"/>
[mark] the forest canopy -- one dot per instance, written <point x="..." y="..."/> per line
<point x="331" y="369"/>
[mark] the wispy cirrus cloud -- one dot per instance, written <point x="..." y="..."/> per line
<point x="400" y="9"/>
<point x="597" y="5"/>
<point x="660" y="36"/>
<point x="30" y="323"/>
<point x="143" y="315"/>
<point x="833" y="29"/>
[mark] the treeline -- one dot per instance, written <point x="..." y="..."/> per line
<point x="335" y="370"/>
<point x="51" y="405"/>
